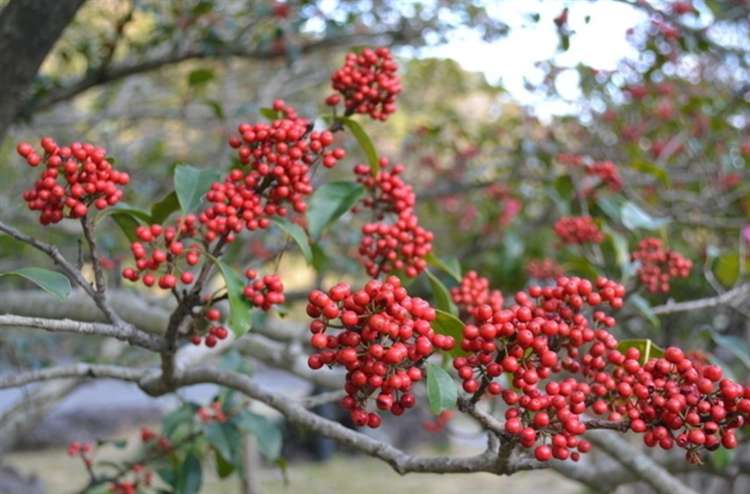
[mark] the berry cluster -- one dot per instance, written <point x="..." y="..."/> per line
<point x="526" y="341"/>
<point x="211" y="413"/>
<point x="578" y="230"/>
<point x="439" y="423"/>
<point x="75" y="177"/>
<point x="384" y="337"/>
<point x="215" y="332"/>
<point x="264" y="292"/>
<point x="659" y="265"/>
<point x="141" y="477"/>
<point x="607" y="172"/>
<point x="279" y="156"/>
<point x="159" y="253"/>
<point x="149" y="436"/>
<point x="82" y="450"/>
<point x="544" y="269"/>
<point x="400" y="245"/>
<point x="672" y="401"/>
<point x="474" y="293"/>
<point x="368" y="83"/>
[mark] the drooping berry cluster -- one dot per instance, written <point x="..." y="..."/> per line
<point x="578" y="230"/>
<point x="279" y="156"/>
<point x="659" y="265"/>
<point x="383" y="337"/>
<point x="368" y="83"/>
<point x="75" y="178"/>
<point x="526" y="341"/>
<point x="164" y="253"/>
<point x="544" y="269"/>
<point x="474" y="293"/>
<point x="263" y="292"/>
<point x="214" y="333"/>
<point x="389" y="245"/>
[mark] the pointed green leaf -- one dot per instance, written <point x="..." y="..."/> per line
<point x="442" y="392"/>
<point x="298" y="235"/>
<point x="329" y="202"/>
<point x="52" y="282"/>
<point x="164" y="208"/>
<point x="270" y="113"/>
<point x="449" y="325"/>
<point x="364" y="142"/>
<point x="644" y="307"/>
<point x="189" y="476"/>
<point x="240" y="309"/>
<point x="191" y="184"/>
<point x="449" y="265"/>
<point x="633" y="218"/>
<point x="266" y="432"/>
<point x="645" y="346"/>
<point x="441" y="294"/>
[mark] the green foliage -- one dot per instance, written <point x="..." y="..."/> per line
<point x="442" y="391"/>
<point x="51" y="282"/>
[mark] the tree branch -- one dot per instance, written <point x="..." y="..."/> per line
<point x="638" y="463"/>
<point x="736" y="294"/>
<point x="117" y="72"/>
<point x="71" y="371"/>
<point x="126" y="333"/>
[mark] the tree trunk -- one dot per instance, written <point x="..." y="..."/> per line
<point x="28" y="31"/>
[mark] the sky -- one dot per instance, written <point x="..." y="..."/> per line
<point x="600" y="43"/>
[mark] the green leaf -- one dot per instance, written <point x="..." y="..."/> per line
<point x="450" y="265"/>
<point x="364" y="142"/>
<point x="735" y="345"/>
<point x="648" y="349"/>
<point x="223" y="438"/>
<point x="127" y="224"/>
<point x="633" y="218"/>
<point x="189" y="476"/>
<point x="442" y="392"/>
<point x="727" y="268"/>
<point x="298" y="235"/>
<point x="270" y="113"/>
<point x="329" y="203"/>
<point x="320" y="259"/>
<point x="137" y="213"/>
<point x="620" y="247"/>
<point x="128" y="218"/>
<point x="611" y="206"/>
<point x="441" y="294"/>
<point x="200" y="77"/>
<point x="174" y="419"/>
<point x="51" y="282"/>
<point x="191" y="184"/>
<point x="654" y="170"/>
<point x="240" y="309"/>
<point x="223" y="467"/>
<point x="644" y="307"/>
<point x="449" y="325"/>
<point x="266" y="432"/>
<point x="163" y="209"/>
